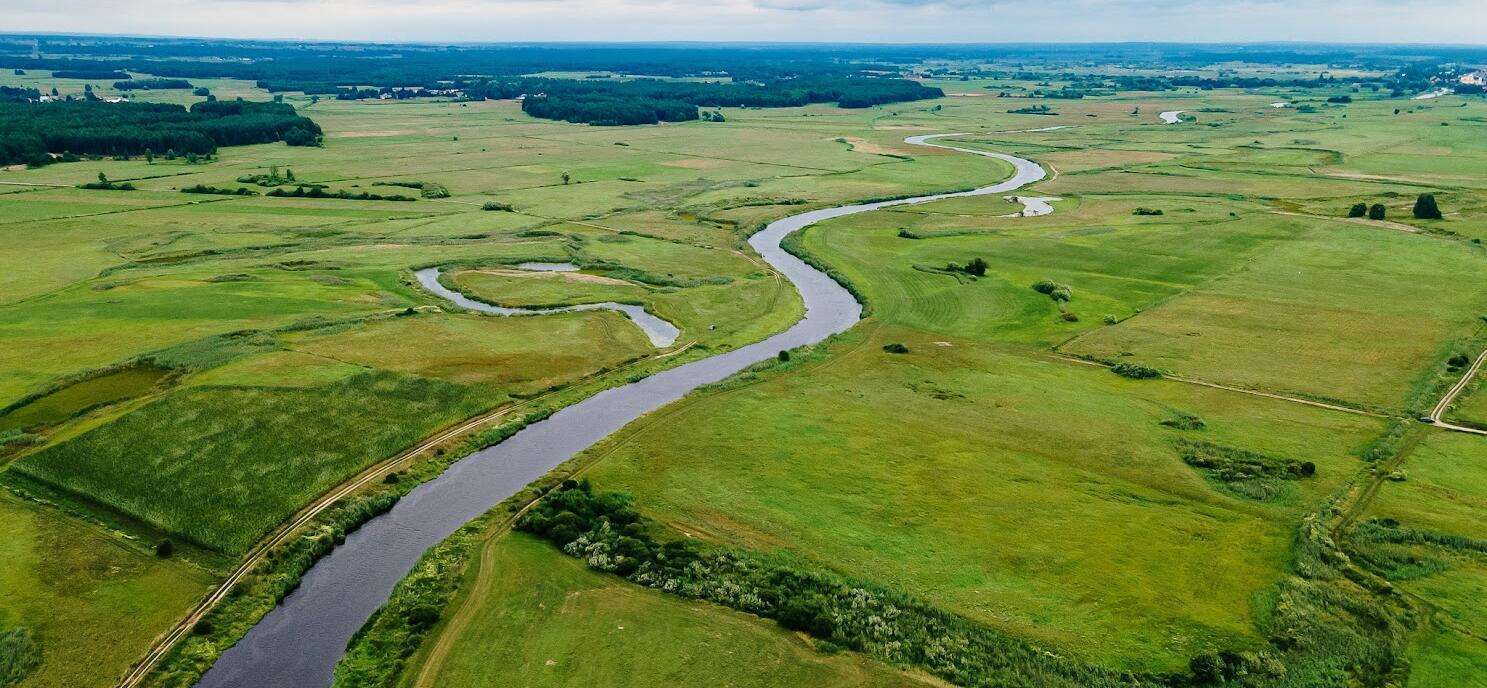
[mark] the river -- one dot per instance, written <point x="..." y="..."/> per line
<point x="298" y="643"/>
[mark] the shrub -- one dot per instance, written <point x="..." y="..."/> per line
<point x="1377" y="211"/>
<point x="1135" y="371"/>
<point x="1458" y="361"/>
<point x="1358" y="210"/>
<point x="1426" y="209"/>
<point x="299" y="136"/>
<point x="783" y="356"/>
<point x="502" y="207"/>
<point x="1147" y="211"/>
<point x="976" y="267"/>
<point x="906" y="234"/>
<point x="19" y="656"/>
<point x="1069" y="317"/>
<point x="1045" y="286"/>
<point x="1184" y="421"/>
<point x="896" y="348"/>
<point x="1110" y="319"/>
<point x="165" y="548"/>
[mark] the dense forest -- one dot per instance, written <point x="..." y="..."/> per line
<point x="31" y="132"/>
<point x="647" y="101"/>
<point x="155" y="84"/>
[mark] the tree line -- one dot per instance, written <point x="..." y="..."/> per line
<point x="30" y="133"/>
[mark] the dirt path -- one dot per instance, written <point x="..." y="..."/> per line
<point x="1241" y="390"/>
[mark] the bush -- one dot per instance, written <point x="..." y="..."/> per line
<point x="1426" y="209"/>
<point x="1358" y="210"/>
<point x="783" y="356"/>
<point x="1147" y="211"/>
<point x="165" y="548"/>
<point x="502" y="207"/>
<point x="299" y="136"/>
<point x="19" y="656"/>
<point x="1377" y="211"/>
<point x="896" y="348"/>
<point x="1135" y="371"/>
<point x="976" y="267"/>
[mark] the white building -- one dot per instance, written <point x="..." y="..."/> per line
<point x="1478" y="78"/>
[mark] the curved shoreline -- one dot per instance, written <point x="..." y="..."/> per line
<point x="299" y="642"/>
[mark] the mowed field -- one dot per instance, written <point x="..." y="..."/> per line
<point x="999" y="471"/>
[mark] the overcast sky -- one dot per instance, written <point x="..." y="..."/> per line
<point x="1416" y="21"/>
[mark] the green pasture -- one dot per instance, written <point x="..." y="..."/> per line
<point x="550" y="621"/>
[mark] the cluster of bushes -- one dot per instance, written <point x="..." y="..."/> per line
<point x="606" y="531"/>
<point x="320" y="192"/>
<point x="1425" y="209"/>
<point x="272" y="178"/>
<point x="976" y="267"/>
<point x="154" y="84"/>
<point x="103" y="184"/>
<point x="1243" y="472"/>
<point x="1184" y="421"/>
<point x="31" y="132"/>
<point x="219" y="191"/>
<point x="1147" y="211"/>
<point x="1033" y="110"/>
<point x="1135" y="371"/>
<point x="499" y="207"/>
<point x="1061" y="293"/>
<point x="1376" y="211"/>
<point x="13" y="94"/>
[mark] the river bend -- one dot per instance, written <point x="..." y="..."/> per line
<point x="297" y="644"/>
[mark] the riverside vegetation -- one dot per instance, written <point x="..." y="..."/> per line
<point x="899" y="506"/>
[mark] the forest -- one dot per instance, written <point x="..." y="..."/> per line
<point x="31" y="132"/>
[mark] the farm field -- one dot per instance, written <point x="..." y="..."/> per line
<point x="998" y="471"/>
<point x="1132" y="438"/>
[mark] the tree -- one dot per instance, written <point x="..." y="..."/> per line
<point x="1376" y="211"/>
<point x="566" y="177"/>
<point x="976" y="267"/>
<point x="1426" y="209"/>
<point x="1358" y="210"/>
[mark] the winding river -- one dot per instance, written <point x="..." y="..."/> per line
<point x="298" y="643"/>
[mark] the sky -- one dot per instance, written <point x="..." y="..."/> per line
<point x="886" y="21"/>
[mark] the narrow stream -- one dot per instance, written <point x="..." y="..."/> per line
<point x="661" y="333"/>
<point x="298" y="644"/>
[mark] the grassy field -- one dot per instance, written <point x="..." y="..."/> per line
<point x="549" y="621"/>
<point x="89" y="599"/>
<point x="989" y="474"/>
<point x="148" y="339"/>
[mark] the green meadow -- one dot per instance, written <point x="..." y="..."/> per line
<point x="198" y="368"/>
<point x="999" y="471"/>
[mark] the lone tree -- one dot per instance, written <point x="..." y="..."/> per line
<point x="1376" y="211"/>
<point x="976" y="267"/>
<point x="1358" y="210"/>
<point x="566" y="177"/>
<point x="1426" y="209"/>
